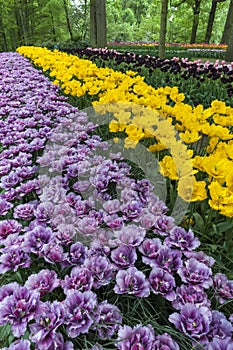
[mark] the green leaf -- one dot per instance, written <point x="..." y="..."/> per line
<point x="199" y="222"/>
<point x="224" y="226"/>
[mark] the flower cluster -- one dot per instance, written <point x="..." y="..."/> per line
<point x="196" y="125"/>
<point x="83" y="235"/>
<point x="202" y="71"/>
<point x="156" y="43"/>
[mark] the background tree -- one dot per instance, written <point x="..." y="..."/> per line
<point x="229" y="52"/>
<point x="44" y="22"/>
<point x="163" y="28"/>
<point x="98" y="36"/>
<point x="79" y="14"/>
<point x="228" y="25"/>
<point x="65" y="4"/>
<point x="211" y="19"/>
<point x="3" y="29"/>
<point x="196" y="7"/>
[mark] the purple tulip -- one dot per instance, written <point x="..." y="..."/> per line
<point x="44" y="282"/>
<point x="107" y="320"/>
<point x="147" y="219"/>
<point x="24" y="211"/>
<point x="5" y="206"/>
<point x="100" y="182"/>
<point x="112" y="206"/>
<point x="131" y="210"/>
<point x="81" y="186"/>
<point x="188" y="294"/>
<point x="127" y="194"/>
<point x="20" y="308"/>
<point x="193" y="321"/>
<point x="113" y="221"/>
<point x="138" y="337"/>
<point x="101" y="270"/>
<point x="43" y="331"/>
<point x="162" y="283"/>
<point x="80" y="279"/>
<point x="196" y="273"/>
<point x="19" y="345"/>
<point x="144" y="188"/>
<point x="220" y="344"/>
<point x="130" y="235"/>
<point x="43" y="212"/>
<point x="179" y="238"/>
<point x="89" y="224"/>
<point x="37" y="238"/>
<point x="201" y="257"/>
<point x="167" y="258"/>
<point x="7" y="290"/>
<point x="82" y="207"/>
<point x="54" y="253"/>
<point x="14" y="258"/>
<point x="79" y="307"/>
<point x="65" y="233"/>
<point x="163" y="225"/>
<point x="150" y="249"/>
<point x="220" y="327"/>
<point x="10" y="195"/>
<point x="10" y="180"/>
<point x="4" y="169"/>
<point x="165" y="342"/>
<point x="77" y="253"/>
<point x="223" y="287"/>
<point x="132" y="282"/>
<point x="123" y="256"/>
<point x="9" y="226"/>
<point x="28" y="187"/>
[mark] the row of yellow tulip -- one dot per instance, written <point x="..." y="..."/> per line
<point x="201" y="155"/>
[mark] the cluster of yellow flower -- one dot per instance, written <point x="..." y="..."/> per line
<point x="200" y="141"/>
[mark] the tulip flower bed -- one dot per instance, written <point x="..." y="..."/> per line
<point x="213" y="51"/>
<point x="172" y="44"/>
<point x="201" y="81"/>
<point x="82" y="78"/>
<point x="90" y="258"/>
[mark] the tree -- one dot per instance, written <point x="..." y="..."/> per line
<point x="196" y="7"/>
<point x="3" y="39"/>
<point x="68" y="19"/>
<point x="163" y="28"/>
<point x="229" y="53"/>
<point x="98" y="23"/>
<point x="211" y="20"/>
<point x="228" y="25"/>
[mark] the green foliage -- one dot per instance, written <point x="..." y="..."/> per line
<point x="197" y="89"/>
<point x="38" y="22"/>
<point x="43" y="22"/>
<point x="171" y="51"/>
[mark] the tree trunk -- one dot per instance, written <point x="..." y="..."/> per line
<point x="196" y="13"/>
<point x="93" y="24"/>
<point x="84" y="30"/>
<point x="53" y="25"/>
<point x="138" y="12"/>
<point x="229" y="53"/>
<point x="98" y="23"/>
<point x="163" y="28"/>
<point x="210" y="21"/>
<point x="23" y="26"/>
<point x="3" y="42"/>
<point x="68" y="20"/>
<point x="228" y="25"/>
<point x="19" y="29"/>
